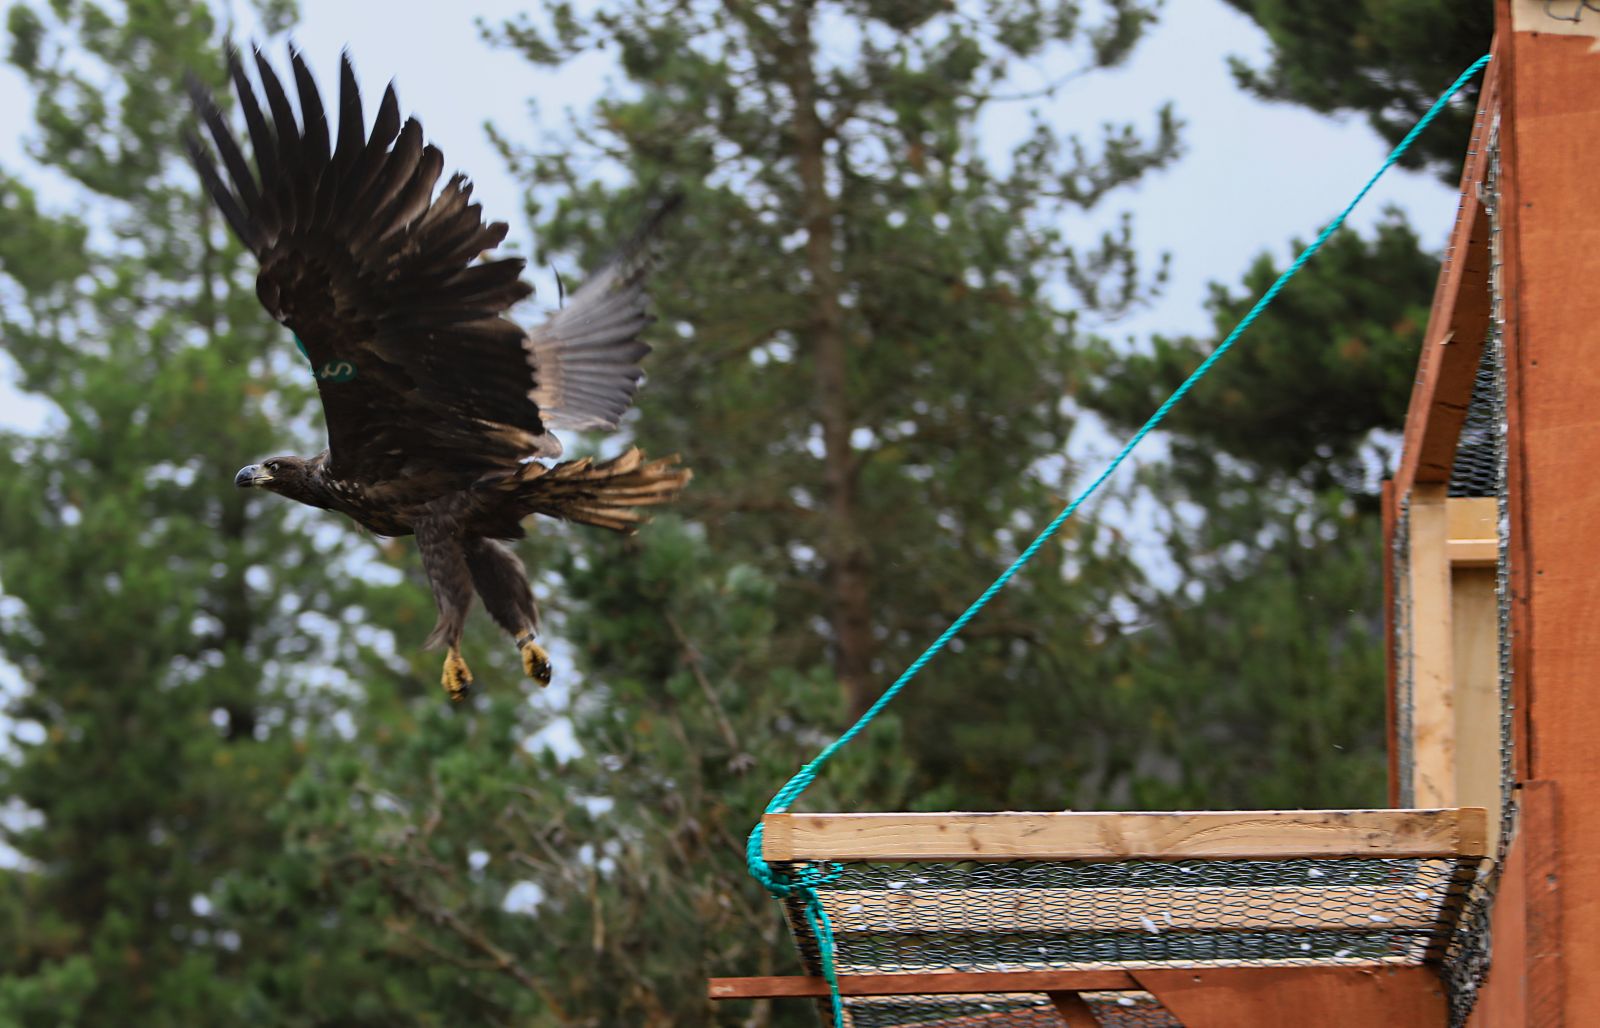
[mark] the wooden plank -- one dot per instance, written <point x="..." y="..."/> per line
<point x="1473" y="553"/>
<point x="1552" y="262"/>
<point x="1501" y="1000"/>
<point x="1215" y="835"/>
<point x="771" y="987"/>
<point x="1474" y="531"/>
<point x="1473" y="517"/>
<point x="1524" y="982"/>
<point x="1310" y="997"/>
<point x="1433" y="717"/>
<point x="1475" y="658"/>
<point x="1074" y="1010"/>
<point x="1508" y="277"/>
<point x="1391" y="654"/>
<point x="1542" y="815"/>
<point x="1453" y="343"/>
<point x="1154" y="910"/>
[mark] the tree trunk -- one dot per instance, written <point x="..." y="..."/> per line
<point x="235" y="614"/>
<point x="851" y="613"/>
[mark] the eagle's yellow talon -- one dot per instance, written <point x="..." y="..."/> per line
<point x="457" y="677"/>
<point x="535" y="661"/>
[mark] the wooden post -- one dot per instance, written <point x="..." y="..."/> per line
<point x="1473" y="547"/>
<point x="1433" y="713"/>
<point x="1549" y="905"/>
<point x="1551" y="148"/>
<point x="1074" y="1010"/>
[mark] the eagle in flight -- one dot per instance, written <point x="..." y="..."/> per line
<point x="438" y="406"/>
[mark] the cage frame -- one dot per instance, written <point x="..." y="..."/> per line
<point x="1525" y="271"/>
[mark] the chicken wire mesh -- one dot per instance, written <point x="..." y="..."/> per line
<point x="1480" y="469"/>
<point x="955" y="917"/>
<point x="1004" y="1010"/>
<point x="1476" y="469"/>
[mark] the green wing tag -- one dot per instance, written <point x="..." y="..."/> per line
<point x="336" y="371"/>
<point x="333" y="371"/>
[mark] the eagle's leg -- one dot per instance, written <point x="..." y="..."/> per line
<point x="444" y="560"/>
<point x="503" y="584"/>
<point x="457" y="677"/>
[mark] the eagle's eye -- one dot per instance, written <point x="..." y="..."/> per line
<point x="272" y="466"/>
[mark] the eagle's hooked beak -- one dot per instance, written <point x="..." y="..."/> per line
<point x="251" y="476"/>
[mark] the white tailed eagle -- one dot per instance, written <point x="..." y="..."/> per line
<point x="438" y="406"/>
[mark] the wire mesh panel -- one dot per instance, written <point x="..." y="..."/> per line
<point x="1476" y="470"/>
<point x="1480" y="470"/>
<point x="952" y="917"/>
<point x="1003" y="1010"/>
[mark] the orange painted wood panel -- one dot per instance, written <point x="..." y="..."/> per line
<point x="1074" y="1010"/>
<point x="1553" y="149"/>
<point x="966" y="983"/>
<point x="1502" y="998"/>
<point x="1310" y="997"/>
<point x="1457" y="327"/>
<point x="1545" y="975"/>
<point x="1525" y="982"/>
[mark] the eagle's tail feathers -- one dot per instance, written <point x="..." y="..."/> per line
<point x="606" y="494"/>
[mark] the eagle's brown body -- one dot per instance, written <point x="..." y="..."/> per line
<point x="493" y="507"/>
<point x="439" y="407"/>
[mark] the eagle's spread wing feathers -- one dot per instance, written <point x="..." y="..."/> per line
<point x="418" y="368"/>
<point x="586" y="356"/>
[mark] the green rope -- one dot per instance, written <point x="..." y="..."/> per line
<point x="783" y="885"/>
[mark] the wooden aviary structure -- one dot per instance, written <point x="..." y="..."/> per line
<point x="1462" y="905"/>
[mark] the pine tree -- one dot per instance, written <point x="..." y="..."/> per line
<point x="865" y="351"/>
<point x="870" y="351"/>
<point x="1261" y="661"/>
<point x="183" y="648"/>
<point x="1387" y="58"/>
<point x="1267" y="647"/>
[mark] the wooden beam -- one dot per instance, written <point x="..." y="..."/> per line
<point x="1525" y="982"/>
<point x="1433" y="717"/>
<point x="1545" y="968"/>
<point x="1214" y="835"/>
<point x="1453" y="343"/>
<point x="1473" y="531"/>
<point x="1200" y="997"/>
<point x="1074" y="1010"/>
<point x="773" y="987"/>
<point x="1391" y="652"/>
<point x="1154" y="910"/>
<point x="1552" y="260"/>
<point x="1306" y="997"/>
<point x="1475" y="661"/>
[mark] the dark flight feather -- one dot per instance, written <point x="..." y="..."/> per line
<point x="379" y="271"/>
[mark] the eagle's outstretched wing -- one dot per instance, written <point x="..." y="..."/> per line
<point x="419" y="370"/>
<point x="586" y="355"/>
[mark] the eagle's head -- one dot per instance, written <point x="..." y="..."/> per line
<point x="287" y="476"/>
